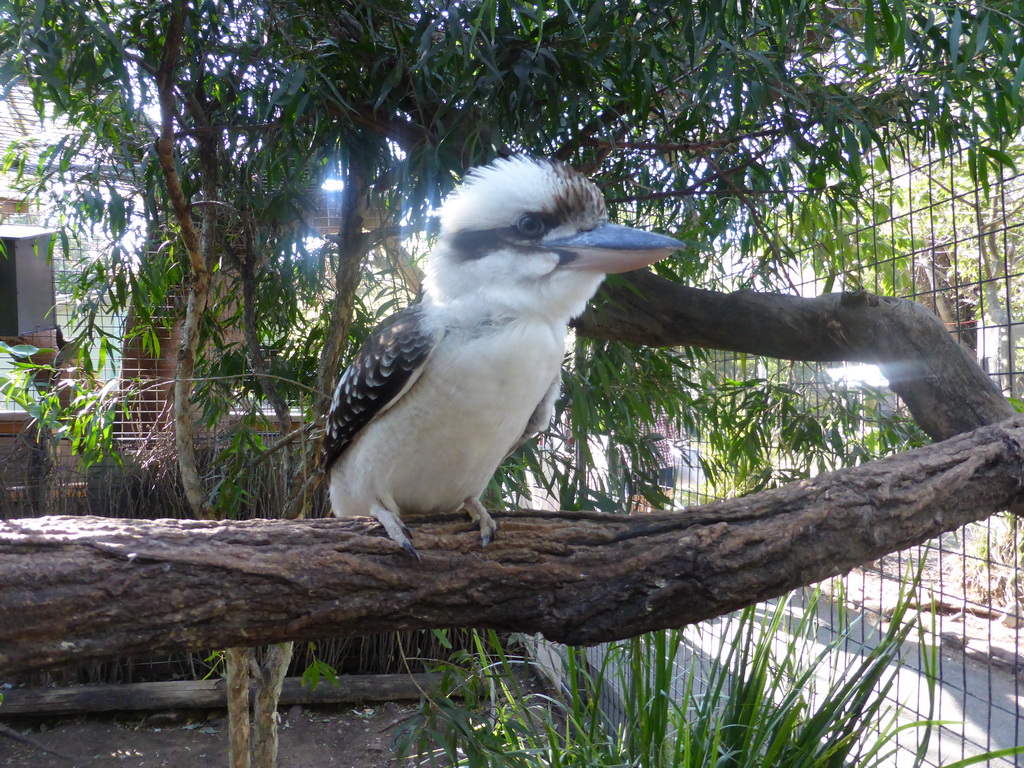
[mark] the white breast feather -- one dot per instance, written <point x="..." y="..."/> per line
<point x="442" y="444"/>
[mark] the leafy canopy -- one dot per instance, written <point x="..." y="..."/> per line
<point x="696" y="118"/>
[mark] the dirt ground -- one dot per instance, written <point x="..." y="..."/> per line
<point x="355" y="737"/>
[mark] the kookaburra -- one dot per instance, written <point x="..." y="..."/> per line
<point x="445" y="389"/>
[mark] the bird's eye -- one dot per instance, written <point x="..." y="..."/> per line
<point x="531" y="225"/>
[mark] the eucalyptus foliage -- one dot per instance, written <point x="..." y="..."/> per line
<point x="712" y="120"/>
<point x="696" y="118"/>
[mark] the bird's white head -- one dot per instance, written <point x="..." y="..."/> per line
<point x="529" y="235"/>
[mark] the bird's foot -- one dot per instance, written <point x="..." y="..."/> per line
<point x="478" y="514"/>
<point x="396" y="529"/>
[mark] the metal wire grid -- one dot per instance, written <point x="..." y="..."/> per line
<point x="963" y="262"/>
<point x="966" y="267"/>
<point x="956" y="250"/>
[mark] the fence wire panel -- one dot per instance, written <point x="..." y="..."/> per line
<point x="955" y="247"/>
<point x="924" y="232"/>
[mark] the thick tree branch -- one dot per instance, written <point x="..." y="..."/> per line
<point x="96" y="588"/>
<point x="944" y="388"/>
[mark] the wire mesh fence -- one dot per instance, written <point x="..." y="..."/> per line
<point x="926" y="233"/>
<point x="934" y="237"/>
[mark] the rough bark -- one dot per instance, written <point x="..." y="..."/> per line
<point x="94" y="588"/>
<point x="270" y="678"/>
<point x="944" y="388"/>
<point x="237" y="662"/>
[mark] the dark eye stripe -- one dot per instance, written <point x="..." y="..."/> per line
<point x="470" y="245"/>
<point x="475" y="244"/>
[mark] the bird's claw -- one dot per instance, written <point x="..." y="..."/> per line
<point x="396" y="529"/>
<point x="407" y="544"/>
<point x="410" y="549"/>
<point x="478" y="514"/>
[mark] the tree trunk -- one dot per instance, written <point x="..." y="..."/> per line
<point x="272" y="670"/>
<point x="98" y="588"/>
<point x="197" y="245"/>
<point x="237" y="662"/>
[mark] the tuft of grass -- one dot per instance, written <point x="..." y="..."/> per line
<point x="764" y="694"/>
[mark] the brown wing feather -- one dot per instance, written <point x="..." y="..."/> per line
<point x="382" y="367"/>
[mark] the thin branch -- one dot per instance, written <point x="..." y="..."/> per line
<point x="353" y="245"/>
<point x="690" y="191"/>
<point x="158" y="384"/>
<point x="229" y="127"/>
<point x="757" y="218"/>
<point x="713" y="175"/>
<point x="197" y="254"/>
<point x="695" y="146"/>
<point x="165" y="143"/>
<point x="407" y="134"/>
<point x="287" y="440"/>
<point x="247" y="265"/>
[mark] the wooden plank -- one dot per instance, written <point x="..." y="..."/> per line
<point x="201" y="694"/>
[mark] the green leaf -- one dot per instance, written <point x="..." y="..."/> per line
<point x="987" y="757"/>
<point x="999" y="156"/>
<point x="981" y="33"/>
<point x="1018" y="78"/>
<point x="20" y="350"/>
<point x="955" y="32"/>
<point x="441" y="635"/>
<point x="870" y="36"/>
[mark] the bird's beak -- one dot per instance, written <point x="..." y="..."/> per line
<point x="610" y="248"/>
